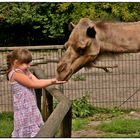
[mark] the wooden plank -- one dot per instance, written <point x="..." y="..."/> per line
<point x="44" y="106"/>
<point x="49" y="100"/>
<point x="47" y="107"/>
<point x="38" y="97"/>
<point x="49" y="47"/>
<point x="54" y="121"/>
<point x="66" y="125"/>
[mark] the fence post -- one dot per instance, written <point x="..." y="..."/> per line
<point x="44" y="106"/>
<point x="62" y="111"/>
<point x="38" y="97"/>
<point x="66" y="125"/>
<point x="49" y="100"/>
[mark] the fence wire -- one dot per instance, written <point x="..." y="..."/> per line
<point x="120" y="87"/>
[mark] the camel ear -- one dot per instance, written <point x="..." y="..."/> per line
<point x="71" y="26"/>
<point x="91" y="32"/>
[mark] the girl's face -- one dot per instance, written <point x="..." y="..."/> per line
<point x="23" y="66"/>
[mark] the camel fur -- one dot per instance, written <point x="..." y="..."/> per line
<point x="89" y="39"/>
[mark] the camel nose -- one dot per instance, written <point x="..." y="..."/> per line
<point x="61" y="67"/>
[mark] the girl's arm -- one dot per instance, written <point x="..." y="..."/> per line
<point x="34" y="82"/>
<point x="54" y="80"/>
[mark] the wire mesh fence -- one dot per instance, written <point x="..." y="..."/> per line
<point x="120" y="87"/>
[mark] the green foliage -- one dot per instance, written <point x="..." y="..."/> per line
<point x="47" y="23"/>
<point x="31" y="22"/>
<point x="81" y="107"/>
<point x="78" y="77"/>
<point x="6" y="124"/>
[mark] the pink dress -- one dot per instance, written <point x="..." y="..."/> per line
<point x="27" y="117"/>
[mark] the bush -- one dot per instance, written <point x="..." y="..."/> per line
<point x="81" y="107"/>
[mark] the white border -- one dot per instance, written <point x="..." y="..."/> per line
<point x="69" y="0"/>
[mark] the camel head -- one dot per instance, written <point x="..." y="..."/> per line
<point x="81" y="49"/>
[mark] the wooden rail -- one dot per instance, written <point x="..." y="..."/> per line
<point x="60" y="116"/>
<point x="49" y="47"/>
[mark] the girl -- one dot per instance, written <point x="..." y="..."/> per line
<point x="27" y="117"/>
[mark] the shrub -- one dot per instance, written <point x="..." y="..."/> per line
<point x="81" y="107"/>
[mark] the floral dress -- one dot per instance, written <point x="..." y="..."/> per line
<point x="27" y="117"/>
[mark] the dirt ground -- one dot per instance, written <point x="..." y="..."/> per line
<point x="89" y="131"/>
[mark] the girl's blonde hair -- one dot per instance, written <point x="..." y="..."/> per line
<point x="23" y="55"/>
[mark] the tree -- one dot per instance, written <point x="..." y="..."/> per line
<point x="33" y="23"/>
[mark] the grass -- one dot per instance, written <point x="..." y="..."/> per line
<point x="121" y="127"/>
<point x="116" y="126"/>
<point x="6" y="124"/>
<point x="79" y="123"/>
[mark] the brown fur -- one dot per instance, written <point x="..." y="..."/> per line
<point x="83" y="49"/>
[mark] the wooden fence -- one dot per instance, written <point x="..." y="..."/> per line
<point x="61" y="115"/>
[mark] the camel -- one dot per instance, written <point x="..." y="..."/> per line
<point x="88" y="40"/>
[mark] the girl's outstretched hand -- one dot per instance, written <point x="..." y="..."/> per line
<point x="55" y="81"/>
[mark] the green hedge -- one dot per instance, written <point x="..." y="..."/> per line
<point x="30" y="23"/>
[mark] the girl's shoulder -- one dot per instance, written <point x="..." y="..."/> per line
<point x="12" y="72"/>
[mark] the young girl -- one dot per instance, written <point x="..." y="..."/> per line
<point x="27" y="117"/>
